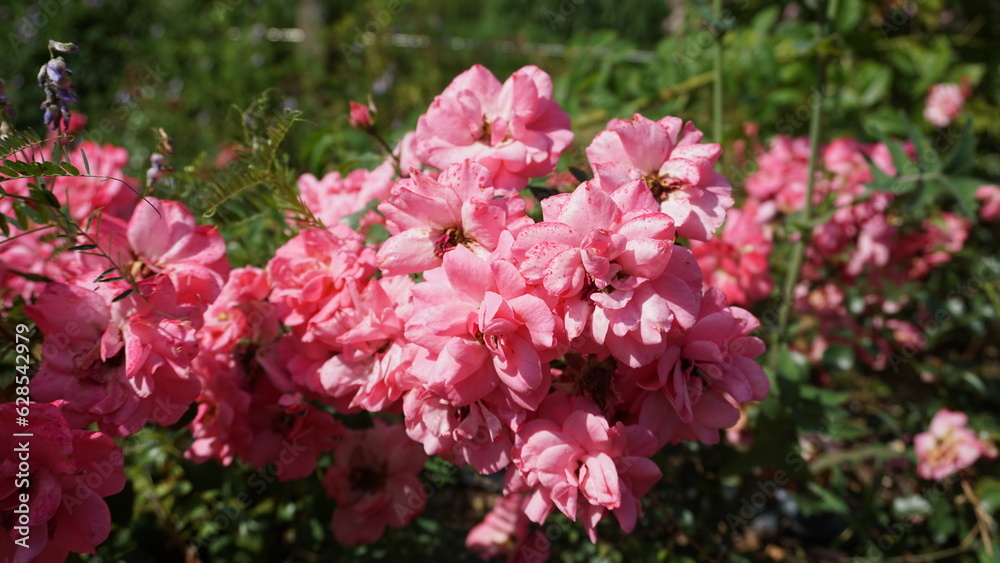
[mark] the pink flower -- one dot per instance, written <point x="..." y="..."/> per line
<point x="944" y="103"/>
<point x="335" y="197"/>
<point x="990" y="196"/>
<point x="374" y="481"/>
<point x="479" y="327"/>
<point x="943" y="237"/>
<point x="119" y="364"/>
<point x="429" y="217"/>
<point x="505" y="532"/>
<point x="670" y="158"/>
<point x="476" y="434"/>
<point x="359" y="118"/>
<point x="166" y="240"/>
<point x="84" y="195"/>
<point x="310" y="272"/>
<point x="240" y="312"/>
<point x="235" y="325"/>
<point x="736" y="260"/>
<point x="705" y="375"/>
<point x="219" y="427"/>
<point x="596" y="239"/>
<point x="372" y="366"/>
<point x="780" y="180"/>
<point x="515" y="130"/>
<point x="245" y="412"/>
<point x="285" y="431"/>
<point x="609" y="257"/>
<point x="69" y="471"/>
<point x="635" y="326"/>
<point x="571" y="458"/>
<point x="947" y="446"/>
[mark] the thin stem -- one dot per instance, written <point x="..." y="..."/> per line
<point x="717" y="78"/>
<point x="799" y="248"/>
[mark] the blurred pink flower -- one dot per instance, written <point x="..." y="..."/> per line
<point x="505" y="532"/>
<point x="944" y="103"/>
<point x="359" y="118"/>
<point x="990" y="196"/>
<point x="374" y="481"/>
<point x="735" y="261"/>
<point x="947" y="446"/>
<point x="69" y="471"/>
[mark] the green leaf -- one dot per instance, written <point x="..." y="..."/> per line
<point x="83" y="247"/>
<point x="4" y="228"/>
<point x="104" y="273"/>
<point x="849" y="15"/>
<point x="86" y="163"/>
<point x="122" y="295"/>
<point x="69" y="168"/>
<point x="928" y="160"/>
<point x="8" y="172"/>
<point x="964" y="190"/>
<point x="832" y="502"/>
<point x="961" y="159"/>
<point x="52" y="169"/>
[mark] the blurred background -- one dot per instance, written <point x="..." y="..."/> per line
<point x="183" y="65"/>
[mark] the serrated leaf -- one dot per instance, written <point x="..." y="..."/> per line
<point x="122" y="295"/>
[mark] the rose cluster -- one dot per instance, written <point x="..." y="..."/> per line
<point x="564" y="351"/>
<point x="865" y="240"/>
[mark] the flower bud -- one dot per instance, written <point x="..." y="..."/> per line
<point x="360" y="117"/>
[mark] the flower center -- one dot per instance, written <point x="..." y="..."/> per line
<point x="366" y="479"/>
<point x="450" y="238"/>
<point x="663" y="186"/>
